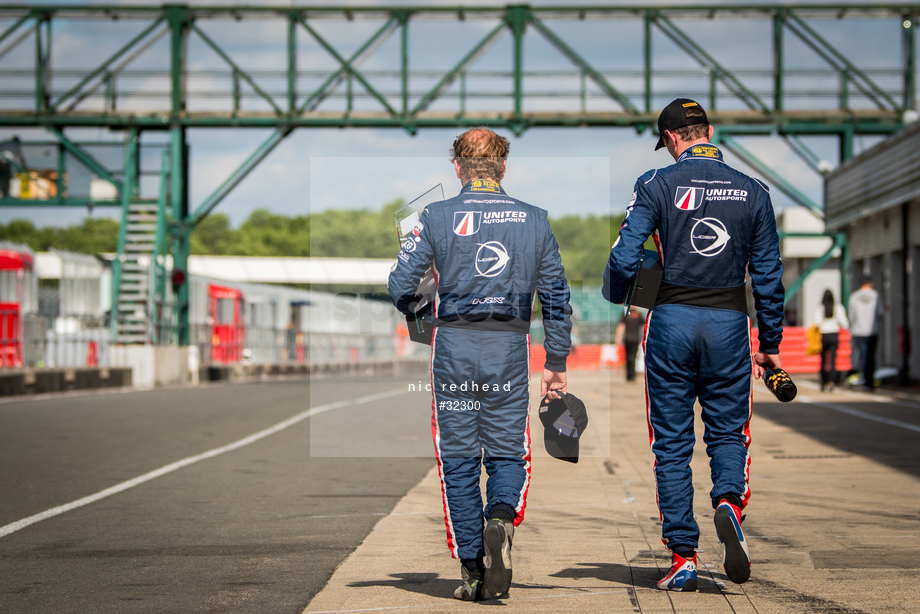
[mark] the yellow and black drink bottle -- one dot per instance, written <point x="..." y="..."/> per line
<point x="780" y="384"/>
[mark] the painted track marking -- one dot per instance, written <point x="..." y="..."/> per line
<point x="191" y="460"/>
<point x="861" y="414"/>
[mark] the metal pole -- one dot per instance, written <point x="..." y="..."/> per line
<point x="462" y="93"/>
<point x="778" y="62"/>
<point x="449" y="78"/>
<point x="904" y="376"/>
<point x="159" y="263"/>
<point x="404" y="61"/>
<point x="909" y="53"/>
<point x="838" y="240"/>
<point x="846" y="143"/>
<point x="87" y="160"/>
<point x="60" y="173"/>
<point x="517" y="19"/>
<point x="103" y="68"/>
<point x="40" y="65"/>
<point x="772" y="176"/>
<point x="182" y="232"/>
<point x="178" y="19"/>
<point x="14" y="27"/>
<point x="648" y="62"/>
<point x="292" y="65"/>
<point x="844" y="270"/>
<point x="237" y="176"/>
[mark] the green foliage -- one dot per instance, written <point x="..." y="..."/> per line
<point x="583" y="241"/>
<point x="356" y="234"/>
<point x="92" y="236"/>
<point x="214" y="236"/>
<point x="332" y="234"/>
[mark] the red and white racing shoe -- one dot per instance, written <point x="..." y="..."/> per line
<point x="682" y="575"/>
<point x="735" y="555"/>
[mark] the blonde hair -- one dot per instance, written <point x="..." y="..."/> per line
<point x="481" y="154"/>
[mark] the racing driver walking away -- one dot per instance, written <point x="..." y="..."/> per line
<point x="711" y="225"/>
<point x="491" y="255"/>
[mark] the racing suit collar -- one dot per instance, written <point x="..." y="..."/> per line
<point x="482" y="186"/>
<point x="705" y="151"/>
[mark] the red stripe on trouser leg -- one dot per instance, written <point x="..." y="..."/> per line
<point x="436" y="436"/>
<point x="746" y="495"/>
<point x="648" y="406"/>
<point x="648" y="421"/>
<point x="522" y="503"/>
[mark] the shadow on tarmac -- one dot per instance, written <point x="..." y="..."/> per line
<point x="430" y="584"/>
<point x="887" y="444"/>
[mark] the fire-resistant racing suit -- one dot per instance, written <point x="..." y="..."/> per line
<point x="491" y="254"/>
<point x="712" y="225"/>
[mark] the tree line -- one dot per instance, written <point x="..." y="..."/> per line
<point x="584" y="241"/>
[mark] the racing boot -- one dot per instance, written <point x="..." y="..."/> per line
<point x="735" y="555"/>
<point x="497" y="542"/>
<point x="473" y="587"/>
<point x="681" y="576"/>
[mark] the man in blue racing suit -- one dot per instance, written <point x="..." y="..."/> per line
<point x="491" y="254"/>
<point x="712" y="225"/>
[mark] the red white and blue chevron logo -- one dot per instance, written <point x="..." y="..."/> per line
<point x="688" y="199"/>
<point x="466" y="223"/>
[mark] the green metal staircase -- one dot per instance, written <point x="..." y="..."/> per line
<point x="137" y="267"/>
<point x="136" y="257"/>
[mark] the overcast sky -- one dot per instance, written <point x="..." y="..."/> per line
<point x="567" y="171"/>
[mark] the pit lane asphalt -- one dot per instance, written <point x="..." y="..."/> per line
<point x="257" y="529"/>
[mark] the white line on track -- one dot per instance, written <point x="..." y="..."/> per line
<point x="874" y="397"/>
<point x="861" y="414"/>
<point x="185" y="462"/>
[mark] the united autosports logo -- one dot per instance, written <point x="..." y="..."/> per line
<point x="708" y="237"/>
<point x="466" y="223"/>
<point x="688" y="199"/>
<point x="491" y="259"/>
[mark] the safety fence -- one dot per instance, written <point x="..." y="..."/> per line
<point x="229" y="344"/>
<point x="38" y="341"/>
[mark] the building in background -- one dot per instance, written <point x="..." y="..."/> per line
<point x="798" y="254"/>
<point x="875" y="199"/>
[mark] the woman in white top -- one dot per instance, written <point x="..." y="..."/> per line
<point x="830" y="318"/>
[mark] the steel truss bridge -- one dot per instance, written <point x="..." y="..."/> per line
<point x="179" y="69"/>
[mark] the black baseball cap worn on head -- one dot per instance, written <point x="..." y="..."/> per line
<point x="564" y="422"/>
<point x="674" y="116"/>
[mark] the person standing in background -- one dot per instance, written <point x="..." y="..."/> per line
<point x="866" y="313"/>
<point x="629" y="335"/>
<point x="830" y="318"/>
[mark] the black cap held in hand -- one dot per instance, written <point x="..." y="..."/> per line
<point x="674" y="116"/>
<point x="564" y="422"/>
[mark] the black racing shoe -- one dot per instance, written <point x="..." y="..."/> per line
<point x="497" y="542"/>
<point x="472" y="589"/>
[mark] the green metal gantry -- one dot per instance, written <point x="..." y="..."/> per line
<point x="842" y="100"/>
